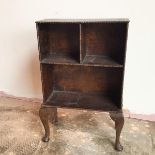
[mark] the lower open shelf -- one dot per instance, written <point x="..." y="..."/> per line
<point x="70" y="99"/>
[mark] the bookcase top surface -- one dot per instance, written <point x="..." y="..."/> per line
<point x="99" y="20"/>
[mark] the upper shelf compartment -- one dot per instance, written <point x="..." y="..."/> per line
<point x="59" y="42"/>
<point x="103" y="43"/>
<point x="83" y="42"/>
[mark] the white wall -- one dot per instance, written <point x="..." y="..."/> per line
<point x="19" y="65"/>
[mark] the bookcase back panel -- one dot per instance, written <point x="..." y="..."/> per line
<point x="104" y="39"/>
<point x="87" y="79"/>
<point x="60" y="40"/>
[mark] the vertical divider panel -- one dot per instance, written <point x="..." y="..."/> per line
<point x="82" y="43"/>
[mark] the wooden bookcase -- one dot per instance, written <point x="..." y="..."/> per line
<point x="82" y="66"/>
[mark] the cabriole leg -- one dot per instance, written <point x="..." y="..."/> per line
<point x="44" y="114"/>
<point x="118" y="118"/>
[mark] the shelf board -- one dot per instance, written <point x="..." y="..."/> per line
<point x="89" y="60"/>
<point x="59" y="59"/>
<point x="101" y="60"/>
<point x="79" y="100"/>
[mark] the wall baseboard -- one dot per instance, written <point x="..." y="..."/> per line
<point x="34" y="100"/>
<point x="127" y="113"/>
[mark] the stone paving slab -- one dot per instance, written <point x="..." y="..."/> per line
<point x="78" y="132"/>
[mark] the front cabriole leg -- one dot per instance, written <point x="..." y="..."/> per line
<point x="44" y="114"/>
<point x="118" y="118"/>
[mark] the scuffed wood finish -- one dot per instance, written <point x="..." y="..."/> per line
<point x="82" y="66"/>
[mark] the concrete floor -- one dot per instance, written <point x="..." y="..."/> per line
<point x="77" y="133"/>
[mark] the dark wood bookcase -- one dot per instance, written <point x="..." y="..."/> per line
<point x="82" y="66"/>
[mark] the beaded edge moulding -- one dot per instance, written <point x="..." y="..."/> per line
<point x="83" y="20"/>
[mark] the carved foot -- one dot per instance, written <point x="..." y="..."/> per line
<point x="45" y="139"/>
<point x="118" y="118"/>
<point x="118" y="147"/>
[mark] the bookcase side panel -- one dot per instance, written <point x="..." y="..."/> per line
<point x="124" y="58"/>
<point x="47" y="80"/>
